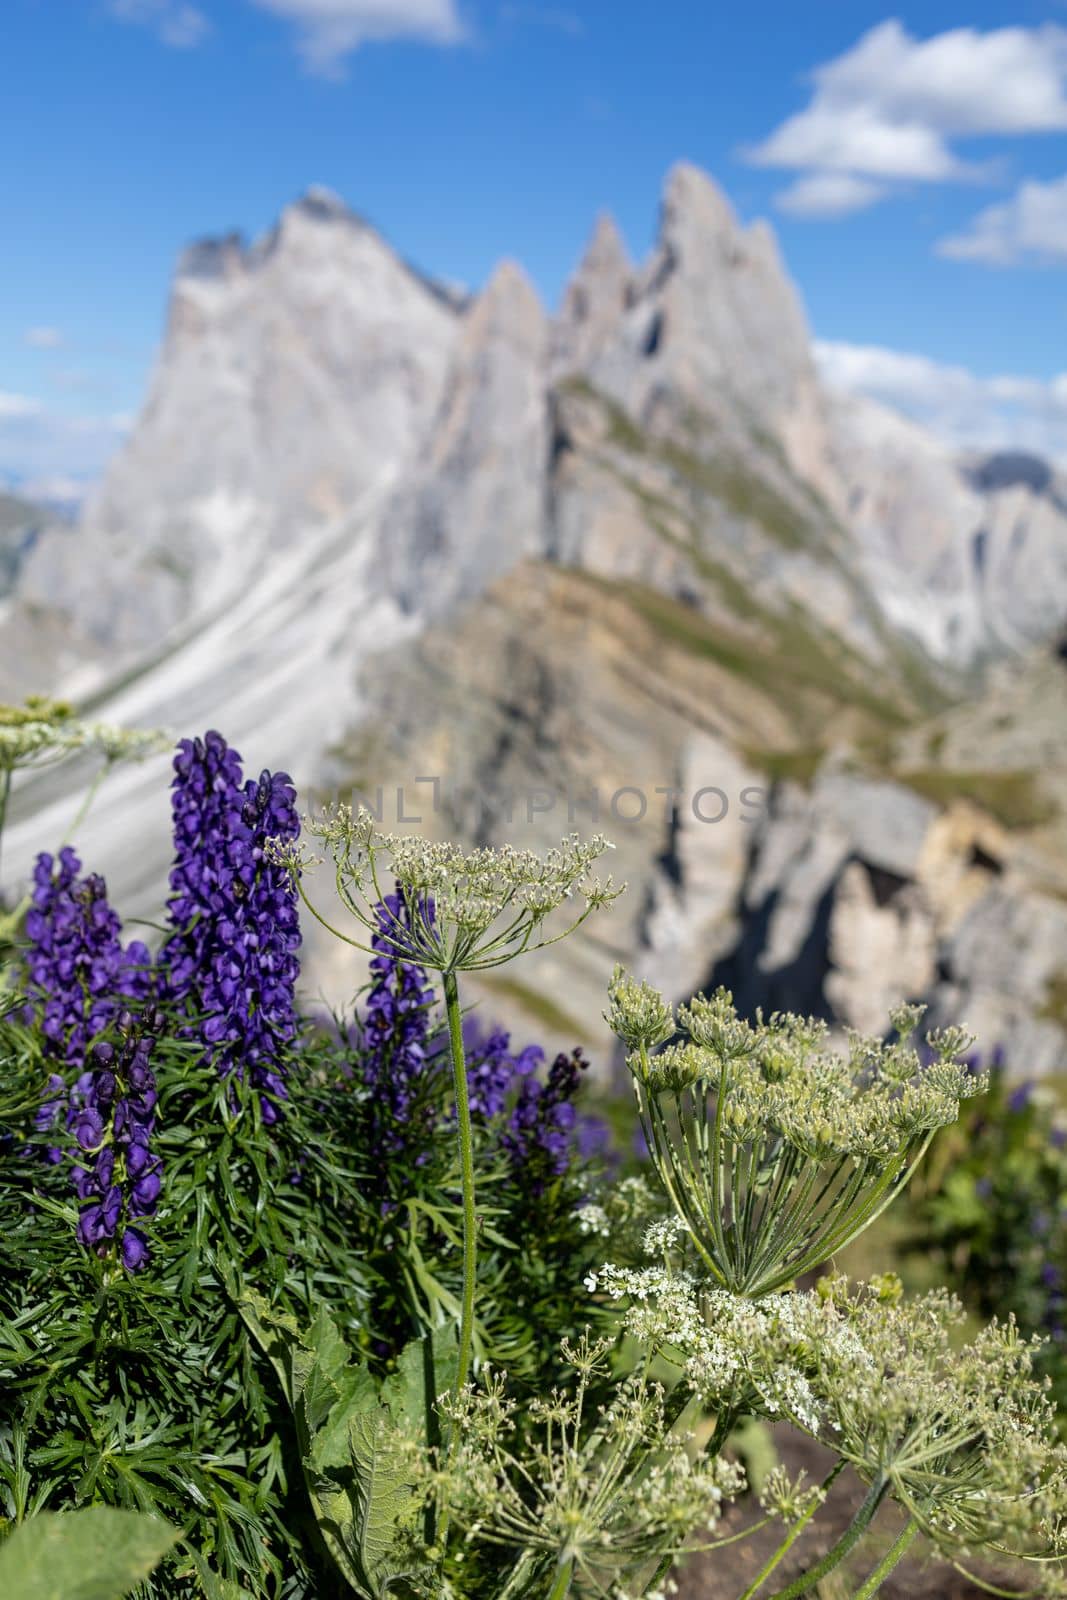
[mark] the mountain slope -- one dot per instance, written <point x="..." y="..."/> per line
<point x="379" y="533"/>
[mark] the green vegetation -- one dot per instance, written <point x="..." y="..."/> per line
<point x="739" y="490"/>
<point x="804" y="671"/>
<point x="540" y="1007"/>
<point x="1054" y="1007"/>
<point x="786" y="766"/>
<point x="1015" y="798"/>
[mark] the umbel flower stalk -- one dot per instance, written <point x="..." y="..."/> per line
<point x="453" y="911"/>
<point x="777" y="1152"/>
<point x="42" y="732"/>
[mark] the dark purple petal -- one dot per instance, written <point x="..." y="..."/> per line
<point x="134" y="1250"/>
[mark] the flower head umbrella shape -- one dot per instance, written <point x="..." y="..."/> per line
<point x="42" y="732"/>
<point x="454" y="911"/>
<point x="958" y="1433"/>
<point x="777" y="1152"/>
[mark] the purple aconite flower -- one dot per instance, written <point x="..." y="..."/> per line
<point x="232" y="956"/>
<point x="493" y="1071"/>
<point x="121" y="1180"/>
<point x="78" y="971"/>
<point x="542" y="1126"/>
<point x="397" y="1062"/>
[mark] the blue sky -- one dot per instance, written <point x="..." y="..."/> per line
<point x="918" y="182"/>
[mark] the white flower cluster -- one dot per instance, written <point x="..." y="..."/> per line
<point x="775" y="1150"/>
<point x="749" y="1354"/>
<point x="42" y="730"/>
<point x="960" y="1434"/>
<point x="460" y="910"/>
<point x="609" y="1489"/>
<point x="593" y="1221"/>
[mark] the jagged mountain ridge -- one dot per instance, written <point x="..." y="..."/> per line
<point x="342" y="469"/>
<point x="303" y="370"/>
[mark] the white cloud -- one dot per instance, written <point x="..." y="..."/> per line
<point x="329" y="30"/>
<point x="828" y="194"/>
<point x="58" y="492"/>
<point x="36" y="443"/>
<point x="16" y="407"/>
<point x="176" y="23"/>
<point x="889" y="108"/>
<point x="1005" y="412"/>
<point x="43" y="338"/>
<point x="1031" y="225"/>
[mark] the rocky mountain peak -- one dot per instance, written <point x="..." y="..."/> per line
<point x="709" y="335"/>
<point x="297" y="374"/>
<point x="325" y="205"/>
<point x="509" y="291"/>
<point x="475" y="506"/>
<point x="212" y="258"/>
<point x="595" y="299"/>
<point x="694" y="212"/>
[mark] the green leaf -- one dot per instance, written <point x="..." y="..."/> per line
<point x="96" y="1554"/>
<point x="381" y="1494"/>
<point x="425" y="1370"/>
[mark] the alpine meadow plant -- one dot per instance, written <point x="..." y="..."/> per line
<point x="113" y="1119"/>
<point x="775" y="1150"/>
<point x="989" y="1209"/>
<point x="42" y="732"/>
<point x="356" y="1307"/>
<point x="456" y="912"/>
<point x="231" y="959"/>
<point x="79" y="973"/>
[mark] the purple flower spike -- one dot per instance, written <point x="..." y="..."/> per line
<point x="232" y="956"/>
<point x="114" y="1116"/>
<point x="543" y="1126"/>
<point x="396" y="1029"/>
<point x="78" y="972"/>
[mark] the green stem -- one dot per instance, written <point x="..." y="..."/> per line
<point x="888" y="1561"/>
<point x="466" y="1158"/>
<point x="86" y="805"/>
<point x="562" y="1586"/>
<point x="518" y="1583"/>
<point x="790" y="1539"/>
<point x="661" y="1571"/>
<point x="725" y="1423"/>
<point x="848" y="1540"/>
<point x="5" y="794"/>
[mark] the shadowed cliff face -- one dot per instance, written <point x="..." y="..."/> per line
<point x="376" y="530"/>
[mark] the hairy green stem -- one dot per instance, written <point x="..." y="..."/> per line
<point x="87" y="803"/>
<point x="848" y="1541"/>
<point x="661" y="1571"/>
<point x="562" y="1586"/>
<point x="889" y="1560"/>
<point x="466" y="1158"/>
<point x="790" y="1539"/>
<point x="5" y="795"/>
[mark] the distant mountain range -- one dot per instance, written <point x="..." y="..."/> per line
<point x="377" y="530"/>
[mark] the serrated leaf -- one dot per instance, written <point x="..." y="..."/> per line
<point x="382" y="1496"/>
<point x="96" y="1554"/>
<point x="425" y="1370"/>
